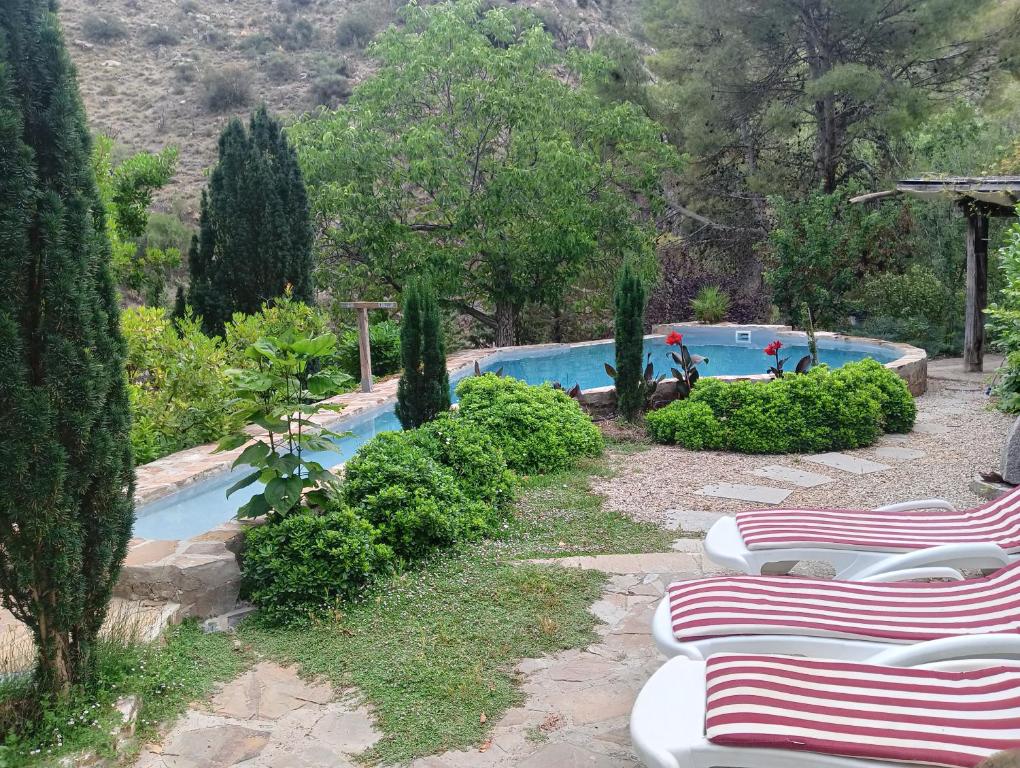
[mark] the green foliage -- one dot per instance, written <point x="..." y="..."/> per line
<point x="415" y="502"/>
<point x="711" y="304"/>
<point x="283" y="316"/>
<point x="307" y="563"/>
<point x="227" y="87"/>
<point x="68" y="507"/>
<point x="820" y="248"/>
<point x="177" y="388"/>
<point x="331" y="90"/>
<point x="423" y="391"/>
<point x="1004" y="319"/>
<point x="531" y="179"/>
<point x="126" y="190"/>
<point x="384" y="343"/>
<point x="293" y="34"/>
<point x="822" y="410"/>
<point x="103" y="28"/>
<point x="687" y="423"/>
<point x="630" y="380"/>
<point x="280" y="395"/>
<point x="255" y="236"/>
<point x="358" y="26"/>
<point x="471" y="454"/>
<point x="538" y="429"/>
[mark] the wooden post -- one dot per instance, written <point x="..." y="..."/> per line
<point x="364" y="345"/>
<point x="977" y="289"/>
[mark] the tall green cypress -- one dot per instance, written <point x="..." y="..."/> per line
<point x="423" y="391"/>
<point x="629" y="302"/>
<point x="256" y="233"/>
<point x="66" y="510"/>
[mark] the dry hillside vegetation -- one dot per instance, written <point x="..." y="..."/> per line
<point x="173" y="71"/>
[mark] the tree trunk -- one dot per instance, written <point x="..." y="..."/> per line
<point x="506" y="324"/>
<point x="55" y="668"/>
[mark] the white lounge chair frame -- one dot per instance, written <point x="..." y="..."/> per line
<point x="667" y="724"/>
<point x="725" y="546"/>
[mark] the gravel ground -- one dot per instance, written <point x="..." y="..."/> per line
<point x="956" y="430"/>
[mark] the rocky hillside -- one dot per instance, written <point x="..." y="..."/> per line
<point x="159" y="72"/>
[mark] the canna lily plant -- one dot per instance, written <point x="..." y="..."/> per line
<point x="772" y="350"/>
<point x="686" y="374"/>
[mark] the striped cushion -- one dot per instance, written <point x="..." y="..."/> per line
<point x="996" y="521"/>
<point x="861" y="710"/>
<point x="904" y="612"/>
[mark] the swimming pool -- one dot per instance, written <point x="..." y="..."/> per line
<point x="731" y="351"/>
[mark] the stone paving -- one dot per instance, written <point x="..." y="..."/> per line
<point x="576" y="712"/>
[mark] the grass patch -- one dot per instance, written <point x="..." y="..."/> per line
<point x="166" y="677"/>
<point x="434" y="649"/>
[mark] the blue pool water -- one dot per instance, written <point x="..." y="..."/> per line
<point x="204" y="505"/>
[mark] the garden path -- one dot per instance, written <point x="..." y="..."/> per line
<point x="575" y="714"/>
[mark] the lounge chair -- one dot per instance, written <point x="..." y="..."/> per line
<point x="830" y="619"/>
<point x="926" y="704"/>
<point x="912" y="534"/>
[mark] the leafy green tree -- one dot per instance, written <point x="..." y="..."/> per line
<point x="630" y="331"/>
<point x="783" y="95"/>
<point x="424" y="388"/>
<point x="484" y="157"/>
<point x="66" y="511"/>
<point x="255" y="235"/>
<point x="126" y="190"/>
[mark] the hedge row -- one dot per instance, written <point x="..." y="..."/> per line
<point x="407" y="494"/>
<point x="823" y="410"/>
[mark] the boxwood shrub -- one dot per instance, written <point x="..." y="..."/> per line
<point x="471" y="454"/>
<point x="823" y="410"/>
<point x="539" y="429"/>
<point x="416" y="503"/>
<point x="307" y="562"/>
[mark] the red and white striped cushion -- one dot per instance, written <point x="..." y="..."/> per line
<point x="904" y="612"/>
<point x="953" y="719"/>
<point x="996" y="521"/>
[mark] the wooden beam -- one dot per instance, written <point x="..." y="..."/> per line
<point x="367" y="305"/>
<point x="872" y="196"/>
<point x="364" y="350"/>
<point x="977" y="290"/>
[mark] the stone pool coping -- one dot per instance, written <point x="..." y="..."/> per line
<point x="201" y="573"/>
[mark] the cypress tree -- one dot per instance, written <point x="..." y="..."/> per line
<point x="255" y="235"/>
<point x="66" y="510"/>
<point x="629" y="303"/>
<point x="423" y="391"/>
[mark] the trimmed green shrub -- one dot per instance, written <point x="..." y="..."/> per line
<point x="416" y="503"/>
<point x="823" y="410"/>
<point x="307" y="562"/>
<point x="384" y="341"/>
<point x="471" y="454"/>
<point x="895" y="401"/>
<point x="687" y="423"/>
<point x="539" y="429"/>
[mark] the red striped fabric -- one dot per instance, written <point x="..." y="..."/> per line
<point x="899" y="612"/>
<point x="996" y="521"/>
<point x="953" y="719"/>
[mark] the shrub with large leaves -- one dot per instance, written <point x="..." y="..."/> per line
<point x="539" y="429"/>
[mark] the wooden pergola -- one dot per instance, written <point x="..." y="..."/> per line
<point x="979" y="199"/>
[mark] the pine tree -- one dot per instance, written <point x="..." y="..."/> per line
<point x="66" y="510"/>
<point x="256" y="236"/>
<point x="630" y="320"/>
<point x="424" y="388"/>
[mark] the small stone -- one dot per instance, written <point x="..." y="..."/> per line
<point x="852" y="464"/>
<point x="898" y="453"/>
<point x="797" y="477"/>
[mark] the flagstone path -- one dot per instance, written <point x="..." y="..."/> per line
<point x="575" y="714"/>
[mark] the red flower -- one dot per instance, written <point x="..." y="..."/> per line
<point x="774" y="347"/>
<point x="675" y="339"/>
